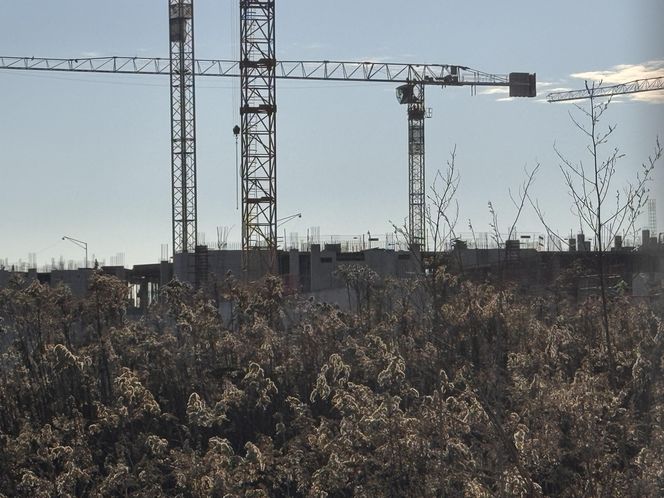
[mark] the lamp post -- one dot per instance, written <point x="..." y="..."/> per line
<point x="79" y="243"/>
<point x="283" y="221"/>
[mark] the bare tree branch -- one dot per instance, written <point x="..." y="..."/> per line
<point x="589" y="189"/>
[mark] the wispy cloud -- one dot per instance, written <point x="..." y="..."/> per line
<point x="376" y="58"/>
<point x="560" y="89"/>
<point x="499" y="90"/>
<point x="625" y="73"/>
<point x="654" y="97"/>
<point x="547" y="84"/>
<point x="501" y="93"/>
<point x="544" y="88"/>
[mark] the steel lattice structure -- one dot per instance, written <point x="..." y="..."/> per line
<point x="258" y="109"/>
<point x="377" y="72"/>
<point x="259" y="71"/>
<point x="636" y="86"/>
<point x="416" y="183"/>
<point x="183" y="126"/>
<point x="413" y="95"/>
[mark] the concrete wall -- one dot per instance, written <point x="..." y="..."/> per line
<point x="302" y="272"/>
<point x="314" y="272"/>
<point x="338" y="297"/>
<point x="323" y="265"/>
<point x="6" y="276"/>
<point x="220" y="263"/>
<point x="393" y="263"/>
<point x="648" y="284"/>
<point x="478" y="258"/>
<point x="384" y="262"/>
<point x="76" y="280"/>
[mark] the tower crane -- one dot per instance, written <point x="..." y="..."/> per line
<point x="258" y="117"/>
<point x="636" y="86"/>
<point x="412" y="95"/>
<point x="183" y="126"/>
<point x="412" y="78"/>
<point x="258" y="70"/>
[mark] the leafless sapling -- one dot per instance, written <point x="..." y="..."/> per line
<point x="590" y="184"/>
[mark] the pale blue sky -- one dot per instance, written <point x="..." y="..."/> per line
<point x="88" y="155"/>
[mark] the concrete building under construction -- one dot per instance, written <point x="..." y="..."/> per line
<point x="314" y="272"/>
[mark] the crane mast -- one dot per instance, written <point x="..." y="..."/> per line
<point x="183" y="126"/>
<point x="412" y="94"/>
<point x="416" y="171"/>
<point x="258" y="114"/>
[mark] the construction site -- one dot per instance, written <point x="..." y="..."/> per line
<point x="309" y="265"/>
<point x="406" y="294"/>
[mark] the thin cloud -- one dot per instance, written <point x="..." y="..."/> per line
<point x="500" y="90"/>
<point x="377" y="58"/>
<point x="654" y="97"/>
<point x="546" y="84"/>
<point x="560" y="89"/>
<point x="625" y="73"/>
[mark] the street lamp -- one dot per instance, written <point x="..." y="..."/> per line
<point x="283" y="221"/>
<point x="79" y="243"/>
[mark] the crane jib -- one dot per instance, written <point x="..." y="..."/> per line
<point x="384" y="72"/>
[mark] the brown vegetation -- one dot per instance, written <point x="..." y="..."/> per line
<point x="503" y="395"/>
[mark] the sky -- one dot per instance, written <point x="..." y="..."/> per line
<point x="88" y="156"/>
